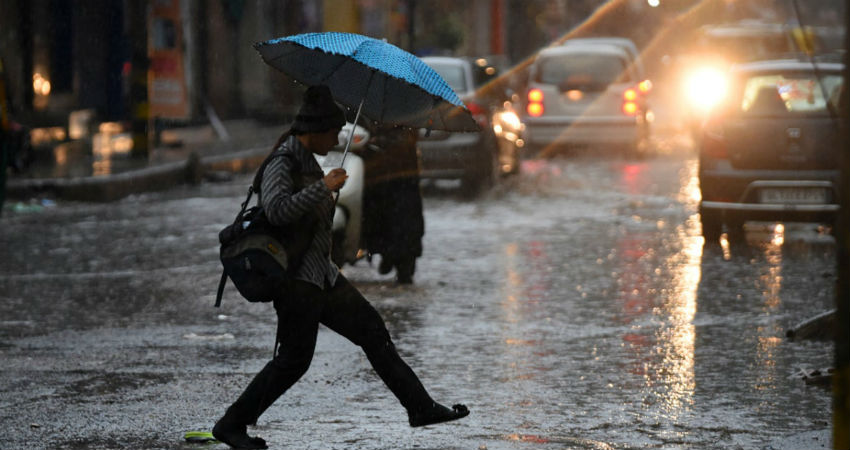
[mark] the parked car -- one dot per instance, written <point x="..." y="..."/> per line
<point x="586" y="94"/>
<point x="769" y="152"/>
<point x="471" y="157"/>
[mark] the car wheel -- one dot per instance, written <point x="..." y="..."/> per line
<point x="475" y="183"/>
<point x="712" y="226"/>
<point x="735" y="232"/>
<point x="484" y="176"/>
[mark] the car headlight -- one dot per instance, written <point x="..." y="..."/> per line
<point x="510" y="120"/>
<point x="705" y="87"/>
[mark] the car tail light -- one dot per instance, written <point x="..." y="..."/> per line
<point x="630" y="98"/>
<point x="479" y="113"/>
<point x="713" y="141"/>
<point x="535" y="103"/>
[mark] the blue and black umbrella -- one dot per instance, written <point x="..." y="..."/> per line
<point x="383" y="82"/>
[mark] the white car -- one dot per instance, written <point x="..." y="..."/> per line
<point x="585" y="94"/>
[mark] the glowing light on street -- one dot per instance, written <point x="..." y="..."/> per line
<point x="40" y="85"/>
<point x="705" y="87"/>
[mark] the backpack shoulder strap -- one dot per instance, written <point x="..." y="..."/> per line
<point x="281" y="150"/>
<point x="220" y="292"/>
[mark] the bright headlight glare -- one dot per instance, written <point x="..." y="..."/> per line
<point x="510" y="119"/>
<point x="705" y="87"/>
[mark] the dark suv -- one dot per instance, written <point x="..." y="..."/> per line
<point x="770" y="151"/>
<point x="468" y="156"/>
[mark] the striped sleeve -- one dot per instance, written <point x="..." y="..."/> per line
<point x="280" y="201"/>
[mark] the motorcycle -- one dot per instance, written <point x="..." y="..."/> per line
<point x="367" y="220"/>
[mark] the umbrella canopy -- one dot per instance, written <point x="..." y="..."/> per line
<point x="392" y="85"/>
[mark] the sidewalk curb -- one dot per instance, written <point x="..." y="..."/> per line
<point x="116" y="186"/>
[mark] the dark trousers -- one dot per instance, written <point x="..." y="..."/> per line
<point x="344" y="310"/>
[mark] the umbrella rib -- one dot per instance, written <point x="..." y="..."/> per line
<point x="285" y="52"/>
<point x="343" y="60"/>
<point x="366" y="91"/>
<point x="383" y="95"/>
<point x="331" y="72"/>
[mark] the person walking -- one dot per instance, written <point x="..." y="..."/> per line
<point x="319" y="293"/>
<point x="393" y="222"/>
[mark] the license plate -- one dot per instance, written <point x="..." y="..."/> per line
<point x="793" y="195"/>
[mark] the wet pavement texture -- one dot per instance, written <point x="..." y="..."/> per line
<point x="574" y="306"/>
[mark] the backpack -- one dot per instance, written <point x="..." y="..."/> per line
<point x="258" y="257"/>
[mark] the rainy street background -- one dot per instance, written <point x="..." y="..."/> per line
<point x="574" y="306"/>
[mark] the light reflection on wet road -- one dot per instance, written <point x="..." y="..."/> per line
<point x="574" y="307"/>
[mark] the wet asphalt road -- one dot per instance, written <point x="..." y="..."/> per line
<point x="574" y="306"/>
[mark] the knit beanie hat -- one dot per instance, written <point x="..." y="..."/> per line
<point x="318" y="112"/>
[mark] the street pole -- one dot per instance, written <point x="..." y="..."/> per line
<point x="139" y="107"/>
<point x="4" y="125"/>
<point x="841" y="378"/>
<point x="411" y="26"/>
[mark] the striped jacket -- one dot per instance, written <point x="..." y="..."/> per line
<point x="283" y="205"/>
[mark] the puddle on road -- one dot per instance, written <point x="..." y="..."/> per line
<point x="611" y="304"/>
<point x="111" y="383"/>
<point x="556" y="440"/>
<point x="209" y="337"/>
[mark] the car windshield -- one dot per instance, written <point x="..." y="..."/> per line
<point x="782" y="93"/>
<point x="453" y="74"/>
<point x="747" y="47"/>
<point x="581" y="68"/>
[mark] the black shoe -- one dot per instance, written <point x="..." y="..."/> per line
<point x="385" y="267"/>
<point x="437" y="413"/>
<point x="237" y="437"/>
<point x="404" y="269"/>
